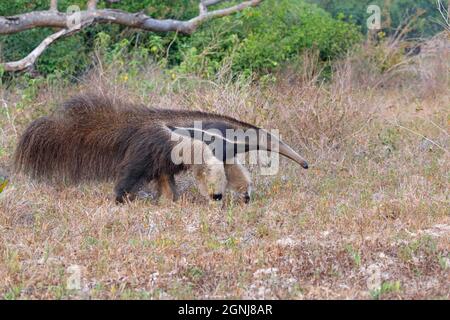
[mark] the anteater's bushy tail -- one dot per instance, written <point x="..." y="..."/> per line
<point x="86" y="139"/>
<point x="38" y="148"/>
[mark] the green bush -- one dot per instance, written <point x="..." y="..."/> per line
<point x="257" y="40"/>
<point x="394" y="12"/>
<point x="72" y="55"/>
<point x="260" y="40"/>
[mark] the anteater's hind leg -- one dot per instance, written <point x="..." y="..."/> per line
<point x="127" y="187"/>
<point x="128" y="184"/>
<point x="134" y="173"/>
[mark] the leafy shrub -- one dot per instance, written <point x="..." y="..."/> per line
<point x="72" y="55"/>
<point x="259" y="40"/>
<point x="394" y="14"/>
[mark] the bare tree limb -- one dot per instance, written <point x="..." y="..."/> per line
<point x="195" y="22"/>
<point x="55" y="19"/>
<point x="51" y="19"/>
<point x="204" y="4"/>
<point x="29" y="60"/>
<point x="209" y="3"/>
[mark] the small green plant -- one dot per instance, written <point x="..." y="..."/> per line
<point x="3" y="184"/>
<point x="354" y="254"/>
<point x="59" y="291"/>
<point x="90" y="242"/>
<point x="443" y="262"/>
<point x="262" y="230"/>
<point x="385" y="288"/>
<point x="12" y="261"/>
<point x="13" y="293"/>
<point x="230" y="214"/>
<point x="231" y="243"/>
<point x="425" y="244"/>
<point x="195" y="273"/>
<point x="389" y="137"/>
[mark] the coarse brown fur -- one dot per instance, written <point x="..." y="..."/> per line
<point x="238" y="179"/>
<point x="95" y="137"/>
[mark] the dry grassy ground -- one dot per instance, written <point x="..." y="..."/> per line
<point x="370" y="219"/>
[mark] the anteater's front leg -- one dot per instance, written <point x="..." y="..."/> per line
<point x="167" y="187"/>
<point x="239" y="180"/>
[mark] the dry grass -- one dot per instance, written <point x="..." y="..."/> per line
<point x="370" y="219"/>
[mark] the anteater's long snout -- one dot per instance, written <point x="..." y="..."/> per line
<point x="288" y="152"/>
<point x="274" y="144"/>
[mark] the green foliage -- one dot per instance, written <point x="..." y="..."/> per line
<point x="68" y="54"/>
<point x="72" y="55"/>
<point x="257" y="40"/>
<point x="354" y="254"/>
<point x="3" y="184"/>
<point x="13" y="293"/>
<point x="260" y="40"/>
<point x="425" y="245"/>
<point x="385" y="288"/>
<point x="394" y="13"/>
<point x="389" y="138"/>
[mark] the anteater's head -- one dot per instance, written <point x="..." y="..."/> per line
<point x="211" y="178"/>
<point x="208" y="170"/>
